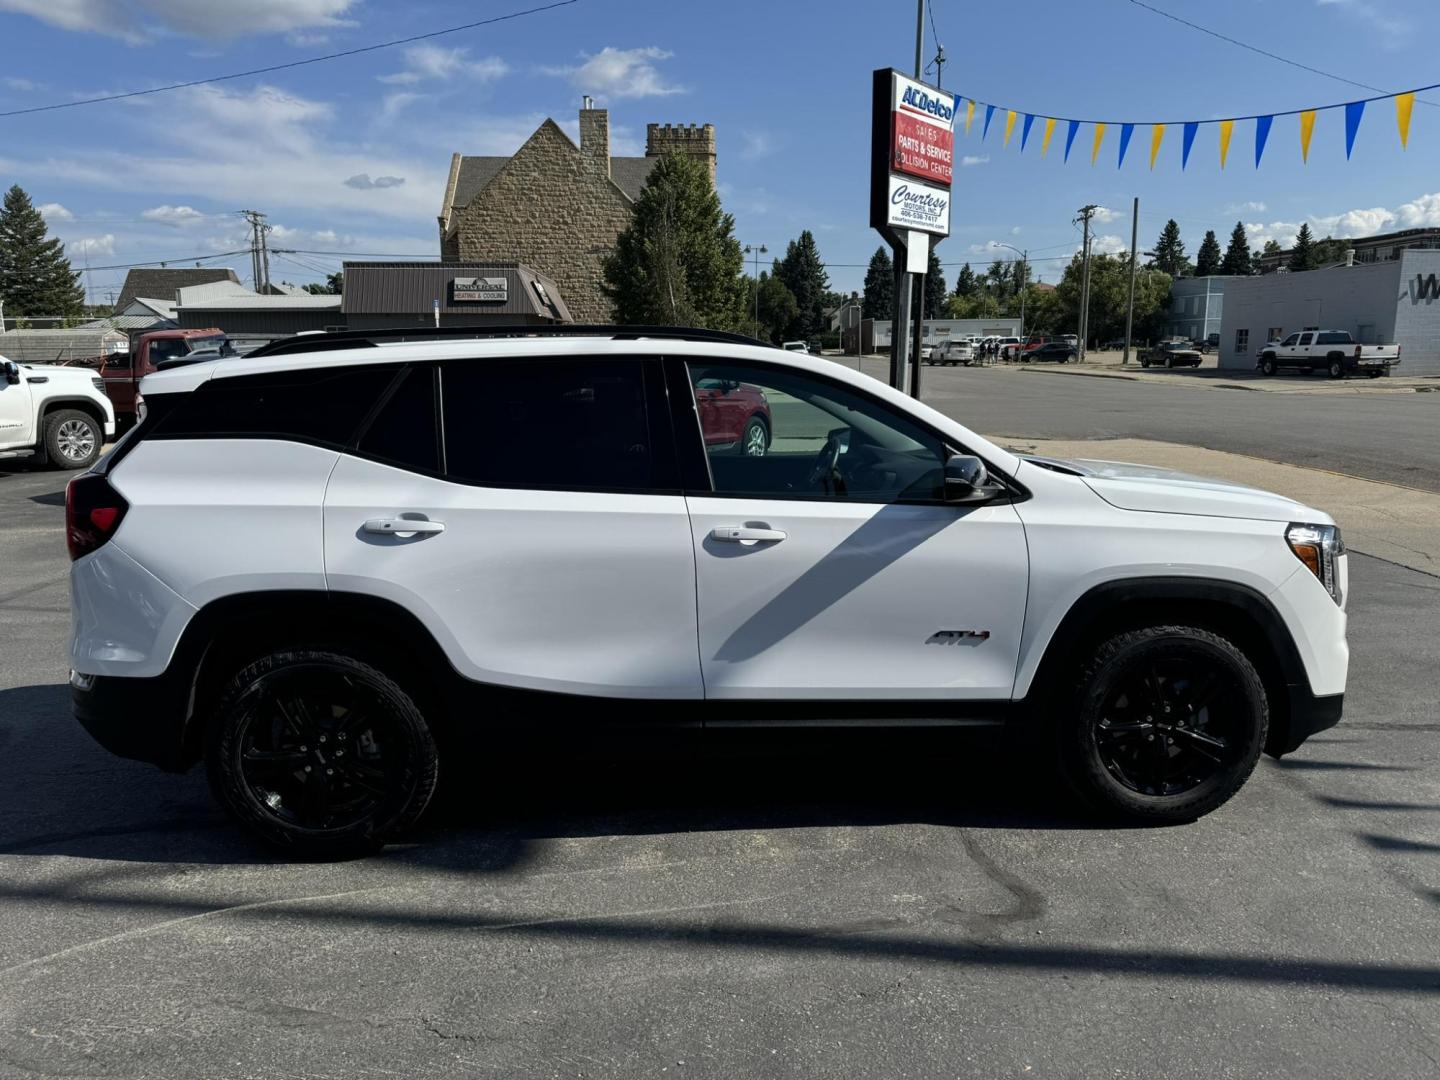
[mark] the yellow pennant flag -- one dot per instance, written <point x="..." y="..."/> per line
<point x="1227" y="128"/>
<point x="1049" y="130"/>
<point x="1157" y="136"/>
<point x="1403" y="104"/>
<point x="1009" y="125"/>
<point x="1307" y="128"/>
<point x="1099" y="138"/>
<point x="969" y="115"/>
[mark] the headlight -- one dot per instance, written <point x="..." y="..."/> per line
<point x="1318" y="547"/>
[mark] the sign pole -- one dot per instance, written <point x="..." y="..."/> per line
<point x="917" y="358"/>
<point x="900" y="329"/>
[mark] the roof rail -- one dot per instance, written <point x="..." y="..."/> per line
<point x="360" y="339"/>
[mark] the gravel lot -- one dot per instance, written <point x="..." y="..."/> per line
<point x="890" y="909"/>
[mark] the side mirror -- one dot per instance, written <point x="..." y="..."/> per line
<point x="12" y="372"/>
<point x="966" y="480"/>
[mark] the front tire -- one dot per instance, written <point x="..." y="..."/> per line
<point x="1167" y="723"/>
<point x="73" y="439"/>
<point x="320" y="754"/>
<point x="1267" y="366"/>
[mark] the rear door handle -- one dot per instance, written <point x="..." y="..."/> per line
<point x="736" y="534"/>
<point x="392" y="526"/>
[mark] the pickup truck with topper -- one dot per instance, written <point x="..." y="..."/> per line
<point x="1333" y="350"/>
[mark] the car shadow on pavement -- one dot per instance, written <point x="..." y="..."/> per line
<point x="61" y="794"/>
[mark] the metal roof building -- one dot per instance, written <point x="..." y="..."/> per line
<point x="397" y="294"/>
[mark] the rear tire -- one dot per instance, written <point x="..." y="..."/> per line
<point x="320" y="754"/>
<point x="73" y="440"/>
<point x="1337" y="369"/>
<point x="1166" y="724"/>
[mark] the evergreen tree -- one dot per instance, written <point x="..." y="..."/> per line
<point x="1170" y="252"/>
<point x="1207" y="259"/>
<point x="1302" y="255"/>
<point x="804" y="275"/>
<point x="678" y="262"/>
<point x="879" y="302"/>
<point x="1237" y="253"/>
<point x="934" y="287"/>
<point x="965" y="281"/>
<point x="333" y="285"/>
<point x="35" y="275"/>
<point x="777" y="307"/>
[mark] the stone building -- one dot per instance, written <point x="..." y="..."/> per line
<point x="555" y="206"/>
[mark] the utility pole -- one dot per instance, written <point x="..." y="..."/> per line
<point x="920" y="42"/>
<point x="1085" y="214"/>
<point x="259" y="253"/>
<point x="1130" y="310"/>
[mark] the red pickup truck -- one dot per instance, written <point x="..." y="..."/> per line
<point x="122" y="372"/>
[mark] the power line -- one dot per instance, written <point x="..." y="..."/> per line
<point x="292" y="64"/>
<point x="1262" y="52"/>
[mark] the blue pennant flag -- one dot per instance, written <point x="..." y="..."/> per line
<point x="1353" y="112"/>
<point x="1189" y="141"/>
<point x="1025" y="131"/>
<point x="1126" y="130"/>
<point x="989" y="112"/>
<point x="1070" y="137"/>
<point x="1262" y="132"/>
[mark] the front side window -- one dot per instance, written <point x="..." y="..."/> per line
<point x="779" y="434"/>
<point x="573" y="424"/>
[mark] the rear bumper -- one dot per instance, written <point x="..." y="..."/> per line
<point x="1309" y="715"/>
<point x="140" y="719"/>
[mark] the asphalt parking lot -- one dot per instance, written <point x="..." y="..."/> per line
<point x="890" y="909"/>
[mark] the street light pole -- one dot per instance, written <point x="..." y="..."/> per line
<point x="757" y="252"/>
<point x="1130" y="311"/>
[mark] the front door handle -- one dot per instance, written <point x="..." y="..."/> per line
<point x="736" y="534"/>
<point x="392" y="526"/>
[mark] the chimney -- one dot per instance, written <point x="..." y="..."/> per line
<point x="595" y="133"/>
<point x="1349" y="256"/>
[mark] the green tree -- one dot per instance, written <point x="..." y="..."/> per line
<point x="1044" y="313"/>
<point x="965" y="281"/>
<point x="1257" y="264"/>
<point x="678" y="261"/>
<point x="1328" y="252"/>
<point x="777" y="308"/>
<point x="35" y="275"/>
<point x="1302" y="255"/>
<point x="1109" y="297"/>
<point x="934" y="287"/>
<point x="879" y="302"/>
<point x="978" y="305"/>
<point x="1237" y="253"/>
<point x="333" y="285"/>
<point x="804" y="275"/>
<point x="1207" y="259"/>
<point x="1170" y="251"/>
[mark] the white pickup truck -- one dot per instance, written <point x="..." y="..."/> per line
<point x="1333" y="350"/>
<point x="61" y="414"/>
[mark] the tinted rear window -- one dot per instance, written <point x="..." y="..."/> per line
<point x="1333" y="339"/>
<point x="574" y="424"/>
<point x="323" y="406"/>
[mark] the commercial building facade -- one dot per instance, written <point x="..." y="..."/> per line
<point x="1394" y="301"/>
<point x="393" y="295"/>
<point x="1196" y="307"/>
<point x="933" y="331"/>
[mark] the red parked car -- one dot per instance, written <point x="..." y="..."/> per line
<point x="734" y="414"/>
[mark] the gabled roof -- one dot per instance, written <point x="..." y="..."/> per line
<point x="163" y="283"/>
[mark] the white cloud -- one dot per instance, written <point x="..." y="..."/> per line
<point x="1104" y="215"/>
<point x="1109" y="244"/>
<point x="1424" y="211"/>
<point x="395" y="104"/>
<point x="53" y="211"/>
<point x="971" y="160"/>
<point x="90" y="246"/>
<point x="177" y="216"/>
<point x="1355" y="222"/>
<point x="14" y="82"/>
<point x="620" y="73"/>
<point x="433" y="62"/>
<point x="1246" y="208"/>
<point x="755" y="145"/>
<point x="363" y="182"/>
<point x="1382" y="16"/>
<point x="139" y="20"/>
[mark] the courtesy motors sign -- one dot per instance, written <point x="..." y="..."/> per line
<point x="922" y="142"/>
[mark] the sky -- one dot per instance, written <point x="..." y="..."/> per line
<point x="349" y="157"/>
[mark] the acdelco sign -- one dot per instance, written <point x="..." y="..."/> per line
<point x="916" y="99"/>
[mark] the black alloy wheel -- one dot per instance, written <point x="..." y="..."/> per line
<point x="321" y="754"/>
<point x="1171" y="721"/>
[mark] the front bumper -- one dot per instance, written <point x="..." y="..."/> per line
<point x="136" y="718"/>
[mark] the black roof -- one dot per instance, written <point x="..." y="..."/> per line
<point x="161" y="283"/>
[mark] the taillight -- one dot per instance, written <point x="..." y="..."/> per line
<point x="1357" y="352"/>
<point x="93" y="511"/>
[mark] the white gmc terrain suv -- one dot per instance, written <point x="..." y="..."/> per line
<point x="313" y="566"/>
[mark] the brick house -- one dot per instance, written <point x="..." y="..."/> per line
<point x="556" y="206"/>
